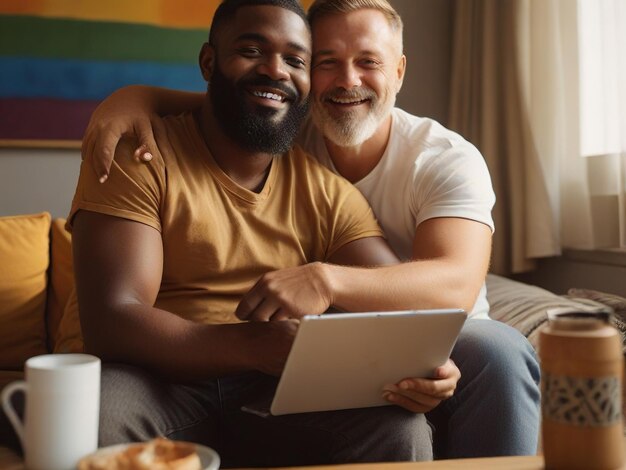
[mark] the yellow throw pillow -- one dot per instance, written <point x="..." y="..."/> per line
<point x="61" y="277"/>
<point x="70" y="337"/>
<point x="24" y="254"/>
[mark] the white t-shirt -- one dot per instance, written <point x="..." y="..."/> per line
<point x="426" y="171"/>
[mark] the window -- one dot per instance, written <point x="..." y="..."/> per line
<point x="602" y="99"/>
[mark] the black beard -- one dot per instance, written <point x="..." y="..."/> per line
<point x="255" y="129"/>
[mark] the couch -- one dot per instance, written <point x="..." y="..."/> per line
<point x="36" y="280"/>
<point x="38" y="311"/>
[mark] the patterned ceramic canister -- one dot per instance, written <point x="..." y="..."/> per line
<point x="581" y="383"/>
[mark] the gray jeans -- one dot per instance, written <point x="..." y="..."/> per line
<point x="137" y="406"/>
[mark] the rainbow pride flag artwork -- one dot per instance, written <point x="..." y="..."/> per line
<point x="60" y="58"/>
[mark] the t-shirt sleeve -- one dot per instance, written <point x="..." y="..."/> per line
<point x="133" y="191"/>
<point x="351" y="218"/>
<point x="454" y="183"/>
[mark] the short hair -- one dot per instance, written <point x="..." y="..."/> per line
<point x="321" y="8"/>
<point x="228" y="8"/>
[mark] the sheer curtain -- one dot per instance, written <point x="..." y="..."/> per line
<point x="574" y="69"/>
<point x="538" y="86"/>
<point x="602" y="52"/>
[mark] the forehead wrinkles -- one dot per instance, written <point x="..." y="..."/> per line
<point x="387" y="55"/>
<point x="270" y="23"/>
<point x="359" y="31"/>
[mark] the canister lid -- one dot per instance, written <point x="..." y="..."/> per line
<point x="583" y="319"/>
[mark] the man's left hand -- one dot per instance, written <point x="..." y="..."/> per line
<point x="287" y="293"/>
<point x="423" y="395"/>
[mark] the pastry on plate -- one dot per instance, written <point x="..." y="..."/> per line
<point x="157" y="454"/>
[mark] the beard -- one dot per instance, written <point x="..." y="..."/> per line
<point x="350" y="128"/>
<point x="256" y="128"/>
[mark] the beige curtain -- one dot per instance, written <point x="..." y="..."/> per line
<point x="488" y="106"/>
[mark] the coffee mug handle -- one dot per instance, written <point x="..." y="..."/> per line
<point x="8" y="408"/>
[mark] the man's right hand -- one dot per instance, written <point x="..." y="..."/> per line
<point x="132" y="110"/>
<point x="288" y="293"/>
<point x="123" y="113"/>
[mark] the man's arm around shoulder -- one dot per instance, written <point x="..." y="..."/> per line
<point x="450" y="261"/>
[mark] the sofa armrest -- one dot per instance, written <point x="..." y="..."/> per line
<point x="524" y="306"/>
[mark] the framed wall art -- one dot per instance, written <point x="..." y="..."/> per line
<point x="60" y="58"/>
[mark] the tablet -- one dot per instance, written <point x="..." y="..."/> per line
<point x="342" y="361"/>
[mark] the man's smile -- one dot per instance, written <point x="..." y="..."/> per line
<point x="344" y="100"/>
<point x="347" y="101"/>
<point x="270" y="97"/>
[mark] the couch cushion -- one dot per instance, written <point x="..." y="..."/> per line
<point x="524" y="306"/>
<point x="61" y="278"/>
<point x="615" y="302"/>
<point x="70" y="338"/>
<point x="24" y="254"/>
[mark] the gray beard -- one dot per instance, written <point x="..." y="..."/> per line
<point x="350" y="130"/>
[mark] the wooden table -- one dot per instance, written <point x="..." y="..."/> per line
<point x="9" y="461"/>
<point x="490" y="463"/>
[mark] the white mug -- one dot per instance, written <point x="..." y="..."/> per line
<point x="61" y="411"/>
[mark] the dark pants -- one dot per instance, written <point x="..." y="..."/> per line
<point x="8" y="437"/>
<point x="136" y="406"/>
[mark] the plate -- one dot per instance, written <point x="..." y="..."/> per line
<point x="209" y="459"/>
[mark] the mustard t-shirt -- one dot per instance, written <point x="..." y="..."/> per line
<point x="219" y="238"/>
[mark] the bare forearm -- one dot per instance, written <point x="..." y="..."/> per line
<point x="167" y="344"/>
<point x="161" y="101"/>
<point x="412" y="285"/>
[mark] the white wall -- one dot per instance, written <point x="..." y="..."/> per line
<point x="428" y="48"/>
<point x="36" y="180"/>
<point x="602" y="271"/>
